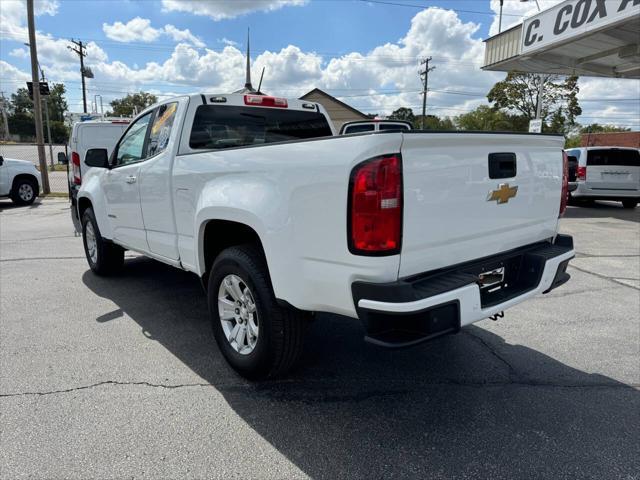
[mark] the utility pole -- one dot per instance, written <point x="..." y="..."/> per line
<point x="46" y="116"/>
<point x="5" y="121"/>
<point x="37" y="106"/>
<point x="424" y="75"/>
<point x="80" y="49"/>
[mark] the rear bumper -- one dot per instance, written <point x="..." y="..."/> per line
<point x="581" y="190"/>
<point x="433" y="304"/>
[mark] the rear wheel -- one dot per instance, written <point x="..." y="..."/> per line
<point x="104" y="257"/>
<point x="629" y="203"/>
<point x="24" y="191"/>
<point x="258" y="337"/>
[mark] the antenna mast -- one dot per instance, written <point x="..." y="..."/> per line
<point x="247" y="83"/>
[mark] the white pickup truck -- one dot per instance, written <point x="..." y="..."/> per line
<point x="416" y="234"/>
<point x="19" y="180"/>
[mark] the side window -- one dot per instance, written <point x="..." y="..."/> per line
<point x="131" y="147"/>
<point x="161" y="128"/>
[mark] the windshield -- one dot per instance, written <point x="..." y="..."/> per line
<point x="217" y="126"/>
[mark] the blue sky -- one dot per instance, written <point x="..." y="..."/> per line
<point x="366" y="52"/>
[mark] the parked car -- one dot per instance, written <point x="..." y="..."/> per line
<point x="86" y="135"/>
<point x="606" y="173"/>
<point x="374" y="125"/>
<point x="416" y="234"/>
<point x="19" y="181"/>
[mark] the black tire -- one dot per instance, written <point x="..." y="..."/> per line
<point x="280" y="330"/>
<point x="20" y="190"/>
<point x="109" y="256"/>
<point x="629" y="203"/>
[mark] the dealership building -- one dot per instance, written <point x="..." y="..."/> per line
<point x="599" y="38"/>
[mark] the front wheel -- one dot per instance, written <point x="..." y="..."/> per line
<point x="24" y="191"/>
<point x="258" y="337"/>
<point x="629" y="203"/>
<point x="104" y="257"/>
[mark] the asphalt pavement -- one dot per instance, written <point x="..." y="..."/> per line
<point x="120" y="377"/>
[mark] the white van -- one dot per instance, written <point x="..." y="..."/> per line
<point x="606" y="173"/>
<point x="86" y="135"/>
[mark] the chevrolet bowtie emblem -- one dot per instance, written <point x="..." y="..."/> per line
<point x="502" y="194"/>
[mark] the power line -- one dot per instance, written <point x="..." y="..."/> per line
<point x="422" y="7"/>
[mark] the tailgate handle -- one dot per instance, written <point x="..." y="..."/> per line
<point x="502" y="165"/>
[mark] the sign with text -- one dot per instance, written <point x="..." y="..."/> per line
<point x="535" y="125"/>
<point x="572" y="18"/>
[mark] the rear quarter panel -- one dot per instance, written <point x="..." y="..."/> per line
<point x="294" y="195"/>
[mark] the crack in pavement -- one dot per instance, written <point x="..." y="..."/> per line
<point x="605" y="277"/>
<point x="39" y="258"/>
<point x="593" y="255"/>
<point x="38" y="238"/>
<point x="513" y="374"/>
<point x="261" y="388"/>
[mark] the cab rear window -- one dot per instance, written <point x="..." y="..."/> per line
<point x="611" y="157"/>
<point x="218" y="127"/>
<point x="393" y="126"/>
<point x="366" y="127"/>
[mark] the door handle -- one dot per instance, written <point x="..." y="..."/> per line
<point x="131" y="179"/>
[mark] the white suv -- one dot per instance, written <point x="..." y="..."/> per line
<point x="606" y="173"/>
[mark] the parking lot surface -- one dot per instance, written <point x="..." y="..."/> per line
<point x="120" y="377"/>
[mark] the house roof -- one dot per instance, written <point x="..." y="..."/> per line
<point x="348" y="107"/>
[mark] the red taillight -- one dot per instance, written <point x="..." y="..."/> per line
<point x="264" y="101"/>
<point x="582" y="173"/>
<point x="375" y="210"/>
<point x="564" y="198"/>
<point x="75" y="163"/>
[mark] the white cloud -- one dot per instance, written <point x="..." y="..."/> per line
<point x="219" y="10"/>
<point x="183" y="36"/>
<point x="136" y="29"/>
<point x="9" y="71"/>
<point x="19" y="53"/>
<point x="140" y="30"/>
<point x="226" y="41"/>
<point x="377" y="81"/>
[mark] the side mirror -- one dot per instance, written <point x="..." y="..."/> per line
<point x="62" y="158"/>
<point x="1" y="160"/>
<point x="97" y="157"/>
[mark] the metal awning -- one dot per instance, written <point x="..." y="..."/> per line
<point x="576" y="37"/>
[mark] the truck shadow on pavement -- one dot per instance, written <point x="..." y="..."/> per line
<point x="603" y="210"/>
<point x="7" y="204"/>
<point x="468" y="405"/>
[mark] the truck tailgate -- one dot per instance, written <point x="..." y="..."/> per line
<point x="460" y="197"/>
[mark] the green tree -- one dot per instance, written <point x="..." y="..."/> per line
<point x="404" y="114"/>
<point x="21" y="121"/>
<point x="433" y="122"/>
<point x="21" y="102"/>
<point x="124" y="107"/>
<point x="518" y="94"/>
<point x="56" y="103"/>
<point x="485" y="118"/>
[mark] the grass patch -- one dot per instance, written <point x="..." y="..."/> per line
<point x="55" y="195"/>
